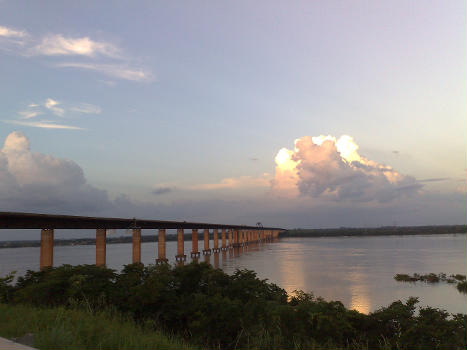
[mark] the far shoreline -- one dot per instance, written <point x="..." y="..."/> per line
<point x="294" y="233"/>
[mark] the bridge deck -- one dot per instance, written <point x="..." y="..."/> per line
<point x="10" y="220"/>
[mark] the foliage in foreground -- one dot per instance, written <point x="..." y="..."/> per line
<point x="435" y="278"/>
<point x="60" y="328"/>
<point x="212" y="309"/>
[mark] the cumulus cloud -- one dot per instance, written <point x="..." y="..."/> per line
<point x="330" y="168"/>
<point x="35" y="182"/>
<point x="39" y="182"/>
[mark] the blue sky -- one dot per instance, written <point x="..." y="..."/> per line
<point x="183" y="104"/>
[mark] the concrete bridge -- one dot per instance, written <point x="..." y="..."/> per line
<point x="231" y="236"/>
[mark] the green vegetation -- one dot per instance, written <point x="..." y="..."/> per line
<point x="60" y="328"/>
<point x="435" y="278"/>
<point x="208" y="308"/>
<point x="375" y="231"/>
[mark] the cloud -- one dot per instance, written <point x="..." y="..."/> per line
<point x="162" y="190"/>
<point x="44" y="124"/>
<point x="437" y="179"/>
<point x="112" y="70"/>
<point x="102" y="57"/>
<point x="52" y="105"/>
<point x="235" y="183"/>
<point x="29" y="114"/>
<point x="330" y="168"/>
<point x="39" y="182"/>
<point x="86" y="108"/>
<point x="11" y="33"/>
<point x="54" y="45"/>
<point x="36" y="182"/>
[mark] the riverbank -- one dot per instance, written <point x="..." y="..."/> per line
<point x="211" y="309"/>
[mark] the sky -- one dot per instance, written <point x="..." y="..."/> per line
<point x="293" y="114"/>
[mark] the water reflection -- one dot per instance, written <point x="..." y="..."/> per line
<point x="359" y="297"/>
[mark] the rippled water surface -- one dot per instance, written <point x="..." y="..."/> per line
<point x="358" y="271"/>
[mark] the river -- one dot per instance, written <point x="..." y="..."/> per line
<point x="358" y="271"/>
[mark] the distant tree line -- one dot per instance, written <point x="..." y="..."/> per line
<point x="375" y="231"/>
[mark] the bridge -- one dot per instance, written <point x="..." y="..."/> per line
<point x="231" y="236"/>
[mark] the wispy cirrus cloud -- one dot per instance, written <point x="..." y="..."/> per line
<point x="101" y="56"/>
<point x="12" y="33"/>
<point x="112" y="70"/>
<point x="27" y="114"/>
<point x="52" y="105"/>
<point x="86" y="108"/>
<point x="44" y="124"/>
<point x="53" y="108"/>
<point x="57" y="44"/>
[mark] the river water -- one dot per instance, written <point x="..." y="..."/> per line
<point x="358" y="271"/>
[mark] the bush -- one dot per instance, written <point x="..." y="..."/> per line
<point x="215" y="310"/>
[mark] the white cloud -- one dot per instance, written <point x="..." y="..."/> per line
<point x="54" y="45"/>
<point x="112" y="70"/>
<point x="331" y="168"/>
<point x="86" y="108"/>
<point x="44" y="124"/>
<point x="103" y="57"/>
<point x="52" y="105"/>
<point x="11" y="33"/>
<point x="29" y="114"/>
<point x="235" y="183"/>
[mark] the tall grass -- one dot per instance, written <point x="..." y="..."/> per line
<point x="60" y="328"/>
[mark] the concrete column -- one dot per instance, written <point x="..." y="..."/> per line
<point x="180" y="257"/>
<point x="206" y="250"/>
<point x="101" y="246"/>
<point x="235" y="238"/>
<point x="231" y="242"/>
<point x="224" y="245"/>
<point x="136" y="241"/>
<point x="47" y="248"/>
<point x="216" y="241"/>
<point x="161" y="257"/>
<point x="194" y="244"/>
<point x="216" y="260"/>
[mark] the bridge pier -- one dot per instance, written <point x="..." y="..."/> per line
<point x="206" y="250"/>
<point x="180" y="257"/>
<point x="47" y="248"/>
<point x="194" y="244"/>
<point x="101" y="246"/>
<point x="224" y="246"/>
<point x="216" y="241"/>
<point x="136" y="244"/>
<point x="231" y="242"/>
<point x="161" y="257"/>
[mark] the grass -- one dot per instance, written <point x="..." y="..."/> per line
<point x="61" y="328"/>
